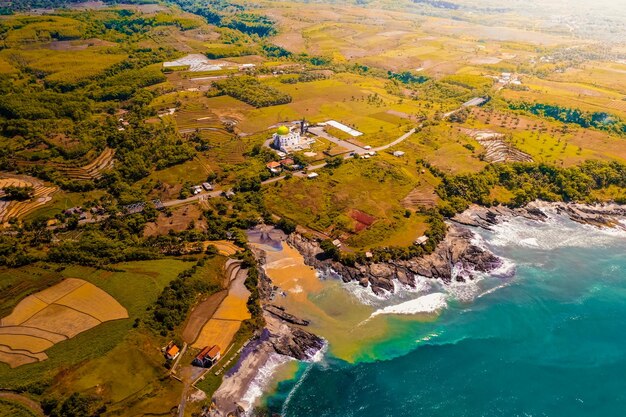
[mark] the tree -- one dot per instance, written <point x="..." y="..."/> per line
<point x="13" y="192"/>
<point x="334" y="162"/>
<point x="286" y="225"/>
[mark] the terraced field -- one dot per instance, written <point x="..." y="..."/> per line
<point x="496" y="147"/>
<point x="51" y="316"/>
<point x="18" y="209"/>
<point x="93" y="170"/>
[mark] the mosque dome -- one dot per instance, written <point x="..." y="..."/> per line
<point x="283" y="130"/>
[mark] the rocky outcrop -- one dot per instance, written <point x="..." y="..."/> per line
<point x="295" y="342"/>
<point x="601" y="215"/>
<point x="456" y="257"/>
<point x="280" y="313"/>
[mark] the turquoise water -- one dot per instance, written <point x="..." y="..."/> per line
<point x="551" y="341"/>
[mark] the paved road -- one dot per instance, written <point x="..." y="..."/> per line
<point x="397" y="141"/>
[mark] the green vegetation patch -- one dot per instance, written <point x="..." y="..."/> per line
<point x="250" y="90"/>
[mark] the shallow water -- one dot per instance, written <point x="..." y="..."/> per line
<point x="550" y="341"/>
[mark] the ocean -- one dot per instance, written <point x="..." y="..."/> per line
<point x="549" y="340"/>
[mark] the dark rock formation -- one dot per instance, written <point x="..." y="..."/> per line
<point x="283" y="315"/>
<point x="605" y="215"/>
<point x="297" y="343"/>
<point x="455" y="252"/>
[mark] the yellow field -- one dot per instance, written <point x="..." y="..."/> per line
<point x="97" y="303"/>
<point x="233" y="308"/>
<point x="63" y="320"/>
<point x="226" y="320"/>
<point x="217" y="332"/>
<point x="50" y="295"/>
<point x="24" y="342"/>
<point x="18" y="359"/>
<point x="27" y="308"/>
<point x="53" y="315"/>
<point x="43" y="334"/>
<point x="224" y="247"/>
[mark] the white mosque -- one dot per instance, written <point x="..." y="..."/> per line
<point x="290" y="140"/>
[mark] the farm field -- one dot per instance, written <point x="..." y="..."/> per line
<point x="550" y="141"/>
<point x="221" y="328"/>
<point x="11" y="209"/>
<point x="135" y="287"/>
<point x="53" y="315"/>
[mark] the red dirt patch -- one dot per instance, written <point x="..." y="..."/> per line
<point x="363" y="220"/>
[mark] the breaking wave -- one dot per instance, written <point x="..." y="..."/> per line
<point x="557" y="231"/>
<point x="430" y="304"/>
<point x="263" y="378"/>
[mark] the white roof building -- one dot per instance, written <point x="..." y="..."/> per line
<point x="287" y="141"/>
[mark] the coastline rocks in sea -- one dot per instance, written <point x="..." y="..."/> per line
<point x="283" y="315"/>
<point x="455" y="257"/>
<point x="600" y="215"/>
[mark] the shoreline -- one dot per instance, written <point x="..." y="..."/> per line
<point x="456" y="259"/>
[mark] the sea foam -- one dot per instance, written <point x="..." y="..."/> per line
<point x="430" y="304"/>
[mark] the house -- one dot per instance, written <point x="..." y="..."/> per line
<point x="73" y="210"/>
<point x="313" y="175"/>
<point x="207" y="186"/>
<point x="398" y="153"/>
<point x="274" y="167"/>
<point x="287" y="163"/>
<point x="337" y="243"/>
<point x="208" y="356"/>
<point x="421" y="240"/>
<point x="172" y="352"/>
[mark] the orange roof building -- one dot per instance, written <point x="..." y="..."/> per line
<point x="208" y="356"/>
<point x="172" y="353"/>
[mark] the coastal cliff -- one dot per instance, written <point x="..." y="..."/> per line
<point x="600" y="215"/>
<point x="455" y="258"/>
